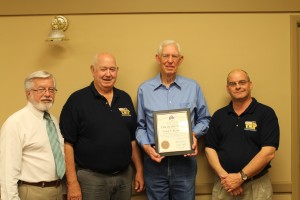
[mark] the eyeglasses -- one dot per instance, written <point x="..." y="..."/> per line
<point x="234" y="84"/>
<point x="110" y="69"/>
<point x="43" y="90"/>
<point x="173" y="56"/>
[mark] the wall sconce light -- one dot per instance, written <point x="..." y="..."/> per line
<point x="59" y="25"/>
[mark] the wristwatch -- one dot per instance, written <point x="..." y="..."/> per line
<point x="244" y="176"/>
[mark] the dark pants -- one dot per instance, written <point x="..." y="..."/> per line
<point x="173" y="178"/>
<point x="95" y="186"/>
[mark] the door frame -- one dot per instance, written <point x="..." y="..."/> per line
<point x="295" y="105"/>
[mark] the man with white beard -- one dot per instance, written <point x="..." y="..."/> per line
<point x="31" y="146"/>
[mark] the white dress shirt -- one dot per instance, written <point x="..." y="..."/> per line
<point x="25" y="151"/>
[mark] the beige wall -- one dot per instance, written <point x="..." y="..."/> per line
<point x="29" y="7"/>
<point x="212" y="44"/>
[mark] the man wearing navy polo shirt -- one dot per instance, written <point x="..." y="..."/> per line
<point x="241" y="142"/>
<point x="98" y="123"/>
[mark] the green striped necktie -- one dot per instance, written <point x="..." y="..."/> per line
<point x="55" y="146"/>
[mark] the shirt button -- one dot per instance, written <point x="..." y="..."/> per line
<point x="237" y="125"/>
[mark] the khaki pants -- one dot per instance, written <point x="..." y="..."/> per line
<point x="258" y="189"/>
<point x="29" y="192"/>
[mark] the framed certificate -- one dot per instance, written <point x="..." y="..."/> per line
<point x="173" y="132"/>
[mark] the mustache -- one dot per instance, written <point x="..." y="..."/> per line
<point x="47" y="99"/>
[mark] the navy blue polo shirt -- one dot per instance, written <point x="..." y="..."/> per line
<point x="237" y="139"/>
<point x="101" y="134"/>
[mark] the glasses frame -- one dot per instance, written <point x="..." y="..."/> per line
<point x="235" y="83"/>
<point x="173" y="56"/>
<point x="44" y="90"/>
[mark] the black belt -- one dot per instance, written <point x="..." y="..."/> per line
<point x="257" y="176"/>
<point x="100" y="172"/>
<point x="42" y="184"/>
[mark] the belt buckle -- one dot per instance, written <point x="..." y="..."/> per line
<point x="116" y="172"/>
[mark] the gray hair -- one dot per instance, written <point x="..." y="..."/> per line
<point x="166" y="43"/>
<point x="28" y="83"/>
<point x="95" y="60"/>
<point x="99" y="56"/>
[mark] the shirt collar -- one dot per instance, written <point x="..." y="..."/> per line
<point x="39" y="114"/>
<point x="250" y="108"/>
<point x="98" y="95"/>
<point x="158" y="83"/>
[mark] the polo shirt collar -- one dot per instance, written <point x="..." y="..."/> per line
<point x="98" y="95"/>
<point x="250" y="108"/>
<point x="158" y="83"/>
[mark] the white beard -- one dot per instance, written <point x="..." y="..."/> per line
<point x="42" y="106"/>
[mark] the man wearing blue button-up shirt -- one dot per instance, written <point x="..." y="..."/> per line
<point x="170" y="177"/>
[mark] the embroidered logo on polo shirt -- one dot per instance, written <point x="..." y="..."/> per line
<point x="250" y="125"/>
<point x="125" y="111"/>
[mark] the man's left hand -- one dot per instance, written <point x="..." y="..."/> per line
<point x="139" y="182"/>
<point x="194" y="146"/>
<point x="231" y="181"/>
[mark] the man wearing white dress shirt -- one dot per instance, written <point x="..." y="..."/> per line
<point x="27" y="164"/>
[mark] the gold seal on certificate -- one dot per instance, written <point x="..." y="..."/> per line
<point x="165" y="144"/>
<point x="172" y="130"/>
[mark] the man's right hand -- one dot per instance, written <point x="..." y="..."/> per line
<point x="237" y="191"/>
<point x="74" y="191"/>
<point x="152" y="153"/>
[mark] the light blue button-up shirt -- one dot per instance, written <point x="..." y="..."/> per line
<point x="182" y="93"/>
